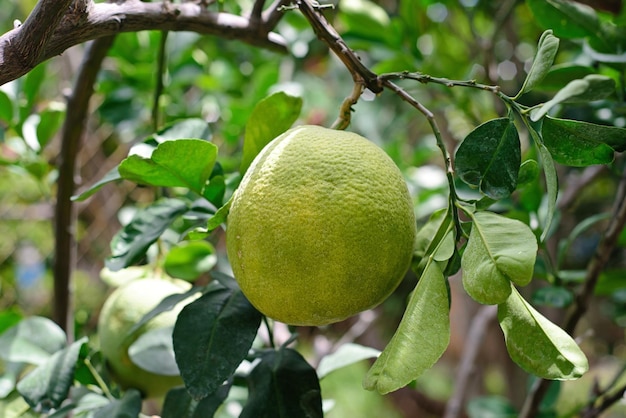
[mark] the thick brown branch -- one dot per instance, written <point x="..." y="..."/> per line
<point x="105" y="19"/>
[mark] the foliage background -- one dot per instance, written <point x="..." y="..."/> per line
<point x="220" y="81"/>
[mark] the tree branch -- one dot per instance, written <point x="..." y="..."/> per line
<point x="72" y="131"/>
<point x="91" y="21"/>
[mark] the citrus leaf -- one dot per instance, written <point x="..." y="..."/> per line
<point x="10" y="373"/>
<point x="127" y="407"/>
<point x="528" y="173"/>
<point x="590" y="88"/>
<point x="212" y="336"/>
<point x="189" y="259"/>
<point x="345" y="355"/>
<point x="186" y="128"/>
<point x="6" y="108"/>
<point x="546" y="51"/>
<point x="568" y="19"/>
<point x="32" y="340"/>
<point x="47" y="386"/>
<point x="499" y="251"/>
<point x="178" y="403"/>
<point x="175" y="163"/>
<point x="552" y="183"/>
<point x="536" y="344"/>
<point x="489" y="158"/>
<point x="421" y="338"/>
<point x="154" y="352"/>
<point x="270" y="117"/>
<point x="131" y="243"/>
<point x="283" y="385"/>
<point x="561" y="74"/>
<point x="111" y="176"/>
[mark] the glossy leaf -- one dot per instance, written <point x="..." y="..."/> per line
<point x="189" y="259"/>
<point x="127" y="407"/>
<point x="47" y="386"/>
<point x="489" y="158"/>
<point x="154" y="352"/>
<point x="546" y="52"/>
<point x="178" y="403"/>
<point x="420" y="339"/>
<point x="176" y="163"/>
<point x="499" y="251"/>
<point x="212" y="336"/>
<point x="32" y="340"/>
<point x="568" y="19"/>
<point x="590" y="88"/>
<point x="283" y="385"/>
<point x="271" y="117"/>
<point x="345" y="355"/>
<point x="131" y="243"/>
<point x="536" y="344"/>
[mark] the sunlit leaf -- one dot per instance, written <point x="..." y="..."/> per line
<point x="32" y="340"/>
<point x="536" y="344"/>
<point x="345" y="355"/>
<point x="189" y="259"/>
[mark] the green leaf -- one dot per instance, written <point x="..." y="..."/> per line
<point x="212" y="336"/>
<point x="32" y="83"/>
<point x="345" y="355"/>
<point x="189" y="259"/>
<point x="6" y="108"/>
<point x="14" y="406"/>
<point x="131" y="243"/>
<point x="154" y="352"/>
<point x="364" y="19"/>
<point x="499" y="251"/>
<point x="588" y="89"/>
<point x="10" y="374"/>
<point x="561" y="74"/>
<point x="178" y="403"/>
<point x="536" y="344"/>
<point x="579" y="144"/>
<point x="111" y="176"/>
<point x="528" y="173"/>
<point x="489" y="158"/>
<point x="553" y="296"/>
<point x="176" y="163"/>
<point x="127" y="407"/>
<point x="568" y="19"/>
<point x="270" y="117"/>
<point x="32" y="340"/>
<point x="50" y="121"/>
<point x="220" y="216"/>
<point x="546" y="51"/>
<point x="47" y="386"/>
<point x="186" y="128"/>
<point x="420" y="339"/>
<point x="283" y="385"/>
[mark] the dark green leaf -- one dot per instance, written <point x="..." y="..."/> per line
<point x="131" y="243"/>
<point x="178" y="403"/>
<point x="283" y="385"/>
<point x="154" y="352"/>
<point x="420" y="339"/>
<point x="50" y="121"/>
<point x="127" y="407"/>
<point x="345" y="355"/>
<point x="31" y="341"/>
<point x="568" y="19"/>
<point x="111" y="176"/>
<point x="6" y="108"/>
<point x="499" y="251"/>
<point x="489" y="158"/>
<point x="546" y="51"/>
<point x="271" y="117"/>
<point x="552" y="296"/>
<point x="592" y="87"/>
<point x="47" y="386"/>
<point x="528" y="173"/>
<point x="536" y="344"/>
<point x="212" y="336"/>
<point x="189" y="259"/>
<point x="176" y="163"/>
<point x="8" y="318"/>
<point x="560" y="75"/>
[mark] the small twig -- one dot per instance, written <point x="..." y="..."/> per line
<point x="72" y="131"/>
<point x="345" y="113"/>
<point x="606" y="403"/>
<point x="159" y="82"/>
<point x="274" y="13"/>
<point x="475" y="338"/>
<point x="425" y="79"/>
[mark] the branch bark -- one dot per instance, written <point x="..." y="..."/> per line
<point x="85" y="21"/>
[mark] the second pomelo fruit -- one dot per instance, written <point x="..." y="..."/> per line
<point x="126" y="306"/>
<point x="321" y="227"/>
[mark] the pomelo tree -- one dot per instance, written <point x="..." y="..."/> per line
<point x="506" y="120"/>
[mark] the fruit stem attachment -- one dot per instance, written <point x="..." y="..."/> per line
<point x="345" y="112"/>
<point x="270" y="332"/>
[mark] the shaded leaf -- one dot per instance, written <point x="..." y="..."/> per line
<point x="490" y="407"/>
<point x="47" y="386"/>
<point x="553" y="296"/>
<point x="552" y="183"/>
<point x="528" y="173"/>
<point x="127" y="407"/>
<point x="499" y="251"/>
<point x="270" y="117"/>
<point x="111" y="176"/>
<point x="283" y="385"/>
<point x="489" y="158"/>
<point x="6" y="108"/>
<point x="420" y="339"/>
<point x="178" y="403"/>
<point x="189" y="259"/>
<point x="154" y="352"/>
<point x="131" y="243"/>
<point x="561" y="74"/>
<point x="32" y="340"/>
<point x="212" y="336"/>
<point x="568" y="19"/>
<point x="536" y="344"/>
<point x="345" y="355"/>
<point x="546" y="51"/>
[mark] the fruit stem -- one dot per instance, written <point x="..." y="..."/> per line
<point x="103" y="386"/>
<point x="345" y="112"/>
<point x="270" y="332"/>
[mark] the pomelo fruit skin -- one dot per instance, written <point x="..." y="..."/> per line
<point x="120" y="312"/>
<point x="321" y="227"/>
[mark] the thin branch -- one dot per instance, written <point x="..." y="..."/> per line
<point x="72" y="131"/>
<point x="606" y="403"/>
<point x="274" y="13"/>
<point x="583" y="298"/>
<point x="80" y="25"/>
<point x="159" y="82"/>
<point x="467" y="366"/>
